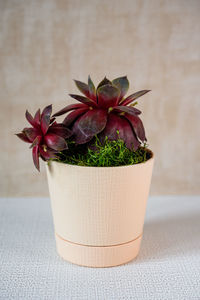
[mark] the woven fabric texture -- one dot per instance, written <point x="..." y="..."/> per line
<point x="168" y="266"/>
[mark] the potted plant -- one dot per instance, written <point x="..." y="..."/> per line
<point x="99" y="172"/>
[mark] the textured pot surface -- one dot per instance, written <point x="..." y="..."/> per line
<point x="98" y="207"/>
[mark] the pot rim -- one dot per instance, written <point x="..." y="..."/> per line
<point x="93" y="167"/>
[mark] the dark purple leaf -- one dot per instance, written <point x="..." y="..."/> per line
<point x="90" y="124"/>
<point x="36" y="141"/>
<point x="71" y="117"/>
<point x="55" y="142"/>
<point x="137" y="126"/>
<point x="68" y="108"/>
<point x="83" y="87"/>
<point x="37" y="117"/>
<point x="60" y="130"/>
<point x="31" y="133"/>
<point x="35" y="155"/>
<point x="92" y="90"/>
<point x="30" y="119"/>
<point x="108" y="96"/>
<point x="83" y="100"/>
<point x="45" y="118"/>
<point x="104" y="82"/>
<point x="128" y="109"/>
<point x="133" y="97"/>
<point x="122" y="84"/>
<point x="23" y="137"/>
<point x="80" y="137"/>
<point x="118" y="127"/>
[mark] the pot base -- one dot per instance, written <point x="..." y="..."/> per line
<point x="98" y="256"/>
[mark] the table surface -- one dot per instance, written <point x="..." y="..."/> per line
<point x="168" y="266"/>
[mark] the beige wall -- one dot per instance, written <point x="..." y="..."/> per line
<point x="45" y="44"/>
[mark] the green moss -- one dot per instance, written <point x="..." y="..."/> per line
<point x="108" y="154"/>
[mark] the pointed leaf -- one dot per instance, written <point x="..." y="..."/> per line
<point x="137" y="126"/>
<point x="55" y="142"/>
<point x="45" y="118"/>
<point x="117" y="124"/>
<point x="84" y="100"/>
<point x="23" y="137"/>
<point x="128" y="109"/>
<point x="103" y="82"/>
<point x="35" y="155"/>
<point x="47" y="110"/>
<point x="31" y="133"/>
<point x="37" y="117"/>
<point x="108" y="96"/>
<point x="122" y="84"/>
<point x="133" y="97"/>
<point x="92" y="90"/>
<point x="68" y="108"/>
<point x="83" y="87"/>
<point x="30" y="119"/>
<point x="73" y="116"/>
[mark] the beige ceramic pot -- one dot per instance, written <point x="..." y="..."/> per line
<point x="99" y="212"/>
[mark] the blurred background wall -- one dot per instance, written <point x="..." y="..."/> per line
<point x="45" y="44"/>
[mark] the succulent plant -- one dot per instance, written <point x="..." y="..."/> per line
<point x="46" y="136"/>
<point x="104" y="111"/>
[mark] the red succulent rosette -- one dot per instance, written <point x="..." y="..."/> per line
<point x="104" y="111"/>
<point x="46" y="136"/>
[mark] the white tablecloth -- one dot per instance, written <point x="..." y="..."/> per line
<point x="168" y="266"/>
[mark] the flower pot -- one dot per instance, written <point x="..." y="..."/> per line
<point x="99" y="212"/>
